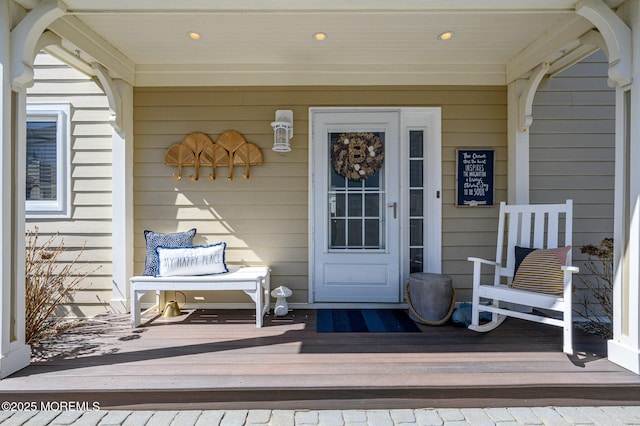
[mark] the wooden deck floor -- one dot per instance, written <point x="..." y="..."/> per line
<point x="219" y="359"/>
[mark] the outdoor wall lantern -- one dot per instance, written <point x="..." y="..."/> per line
<point x="282" y="130"/>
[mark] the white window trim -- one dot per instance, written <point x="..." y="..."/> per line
<point x="429" y="120"/>
<point x="61" y="207"/>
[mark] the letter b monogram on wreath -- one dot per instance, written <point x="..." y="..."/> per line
<point x="357" y="156"/>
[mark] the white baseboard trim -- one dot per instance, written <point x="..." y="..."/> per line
<point x="16" y="359"/>
<point x="291" y="305"/>
<point x="624" y="355"/>
<point x="119" y="306"/>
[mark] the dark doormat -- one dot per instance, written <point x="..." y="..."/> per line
<point x="365" y="321"/>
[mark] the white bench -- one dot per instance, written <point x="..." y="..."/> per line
<point x="253" y="280"/>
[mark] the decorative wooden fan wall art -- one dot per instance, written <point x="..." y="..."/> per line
<point x="197" y="149"/>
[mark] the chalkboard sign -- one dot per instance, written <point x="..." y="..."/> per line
<point x="474" y="172"/>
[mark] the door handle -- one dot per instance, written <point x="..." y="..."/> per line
<point x="332" y="204"/>
<point x="394" y="205"/>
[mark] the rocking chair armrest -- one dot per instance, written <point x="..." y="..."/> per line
<point x="485" y="261"/>
<point x="572" y="269"/>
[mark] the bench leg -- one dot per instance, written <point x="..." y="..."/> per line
<point x="261" y="292"/>
<point x="135" y="307"/>
<point x="136" y="315"/>
<point x="256" y="296"/>
<point x="266" y="285"/>
<point x="259" y="312"/>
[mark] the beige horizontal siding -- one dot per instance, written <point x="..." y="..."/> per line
<point x="90" y="223"/>
<point x="264" y="220"/>
<point x="572" y="147"/>
<point x="102" y="184"/>
<point x="79" y="101"/>
<point x="90" y="255"/>
<point x="572" y="151"/>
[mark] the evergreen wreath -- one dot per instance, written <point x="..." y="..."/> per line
<point x="357" y="156"/>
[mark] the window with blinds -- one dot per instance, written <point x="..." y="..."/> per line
<point x="46" y="160"/>
<point x="42" y="160"/>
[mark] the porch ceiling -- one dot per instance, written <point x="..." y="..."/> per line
<point x="254" y="42"/>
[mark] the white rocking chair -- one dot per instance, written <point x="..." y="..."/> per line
<point x="529" y="227"/>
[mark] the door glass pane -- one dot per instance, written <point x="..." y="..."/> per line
<point x="415" y="260"/>
<point x="415" y="232"/>
<point x="416" y="200"/>
<point x="354" y="232"/>
<point x="372" y="205"/>
<point x="337" y="181"/>
<point x="353" y="184"/>
<point x="373" y="181"/>
<point x="416" y="139"/>
<point x="415" y="173"/>
<point x="356" y="191"/>
<point x="340" y="205"/>
<point x="338" y="233"/>
<point x="355" y="205"/>
<point x="372" y="233"/>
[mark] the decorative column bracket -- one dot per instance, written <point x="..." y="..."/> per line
<point x="113" y="96"/>
<point x="594" y="38"/>
<point x="616" y="34"/>
<point x="48" y="38"/>
<point x="25" y="37"/>
<point x="525" y="101"/>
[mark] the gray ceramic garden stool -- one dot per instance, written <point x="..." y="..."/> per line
<point x="431" y="298"/>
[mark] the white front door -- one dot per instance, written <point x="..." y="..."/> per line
<point x="356" y="200"/>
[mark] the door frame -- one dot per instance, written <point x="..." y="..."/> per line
<point x="411" y="118"/>
<point x="357" y="274"/>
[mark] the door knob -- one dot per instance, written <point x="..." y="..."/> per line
<point x="394" y="205"/>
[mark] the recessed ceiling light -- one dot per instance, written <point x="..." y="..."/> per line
<point x="193" y="35"/>
<point x="447" y="35"/>
<point x="320" y="36"/>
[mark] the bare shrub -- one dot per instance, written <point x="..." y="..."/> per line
<point x="49" y="285"/>
<point x="596" y="306"/>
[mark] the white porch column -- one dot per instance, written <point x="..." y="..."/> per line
<point x="122" y="181"/>
<point x="15" y="354"/>
<point x="624" y="348"/>
<point x="518" y="147"/>
<point x="18" y="43"/>
<point x="520" y="116"/>
<point x="120" y="96"/>
<point x="621" y="32"/>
